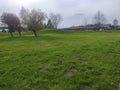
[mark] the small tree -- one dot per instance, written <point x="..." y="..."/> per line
<point x="12" y="22"/>
<point x="55" y="19"/>
<point x="33" y="19"/>
<point x="24" y="14"/>
<point x="115" y="23"/>
<point x="99" y="19"/>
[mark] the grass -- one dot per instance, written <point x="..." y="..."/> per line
<point x="60" y="60"/>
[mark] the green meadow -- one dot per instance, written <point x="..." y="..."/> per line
<point x="60" y="60"/>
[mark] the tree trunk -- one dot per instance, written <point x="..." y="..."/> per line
<point x="11" y="34"/>
<point x="19" y="34"/>
<point x="35" y="33"/>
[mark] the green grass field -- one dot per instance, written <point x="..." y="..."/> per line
<point x="60" y="60"/>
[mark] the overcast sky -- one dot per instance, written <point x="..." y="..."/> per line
<point x="74" y="12"/>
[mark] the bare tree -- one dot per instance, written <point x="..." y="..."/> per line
<point x="36" y="20"/>
<point x="99" y="19"/>
<point x="115" y="23"/>
<point x="33" y="19"/>
<point x="12" y="22"/>
<point x="24" y="14"/>
<point x="55" y="19"/>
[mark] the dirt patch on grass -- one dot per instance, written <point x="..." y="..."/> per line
<point x="87" y="86"/>
<point x="68" y="73"/>
<point x="44" y="69"/>
<point x="33" y="86"/>
<point x="119" y="87"/>
<point x="1" y="87"/>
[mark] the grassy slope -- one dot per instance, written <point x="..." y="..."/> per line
<point x="64" y="60"/>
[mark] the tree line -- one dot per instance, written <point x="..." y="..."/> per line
<point x="100" y="19"/>
<point x="32" y="20"/>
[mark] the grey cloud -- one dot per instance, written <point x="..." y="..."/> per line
<point x="74" y="12"/>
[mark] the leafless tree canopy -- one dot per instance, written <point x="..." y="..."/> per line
<point x="24" y="14"/>
<point x="115" y="22"/>
<point x="33" y="19"/>
<point x="99" y="18"/>
<point x="55" y="19"/>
